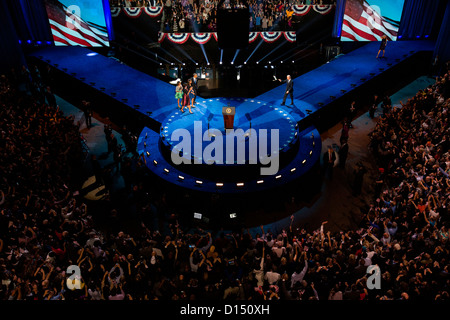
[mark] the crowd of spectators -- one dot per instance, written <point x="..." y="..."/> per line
<point x="45" y="227"/>
<point x="201" y="15"/>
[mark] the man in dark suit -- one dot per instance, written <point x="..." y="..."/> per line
<point x="329" y="158"/>
<point x="343" y="152"/>
<point x="289" y="89"/>
<point x="51" y="99"/>
<point x="195" y="85"/>
<point x="87" y="110"/>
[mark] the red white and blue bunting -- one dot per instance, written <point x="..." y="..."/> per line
<point x="271" y="36"/>
<point x="301" y="10"/>
<point x="290" y="36"/>
<point x="115" y="12"/>
<point x="204" y="37"/>
<point x="153" y="11"/>
<point x="323" y="9"/>
<point x="178" y="38"/>
<point x="252" y="36"/>
<point x="132" y="12"/>
<point x="201" y="38"/>
<point x="161" y="36"/>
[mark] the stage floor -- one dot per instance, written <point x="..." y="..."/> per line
<point x="312" y="91"/>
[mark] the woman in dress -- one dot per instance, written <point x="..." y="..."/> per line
<point x="382" y="45"/>
<point x="185" y="100"/>
<point x="191" y="95"/>
<point x="179" y="93"/>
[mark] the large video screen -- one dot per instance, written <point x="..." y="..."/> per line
<point x="369" y="20"/>
<point x="77" y="22"/>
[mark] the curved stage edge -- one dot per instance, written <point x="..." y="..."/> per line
<point x="307" y="157"/>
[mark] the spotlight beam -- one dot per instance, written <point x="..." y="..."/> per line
<point x="273" y="50"/>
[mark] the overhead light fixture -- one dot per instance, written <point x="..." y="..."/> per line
<point x="198" y="182"/>
<point x="180" y="178"/>
<point x="278" y="176"/>
<point x="166" y="170"/>
<point x="260" y="181"/>
<point x="148" y="154"/>
<point x="155" y="162"/>
<point x="304" y="161"/>
<point x="219" y="184"/>
<point x="293" y="169"/>
<point x="240" y="184"/>
<point x="233" y="215"/>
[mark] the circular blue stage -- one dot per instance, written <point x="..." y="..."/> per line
<point x="265" y="149"/>
<point x="254" y="120"/>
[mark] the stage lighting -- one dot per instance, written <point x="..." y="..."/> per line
<point x="260" y="181"/>
<point x="39" y="42"/>
<point x="232" y="62"/>
<point x="197" y="215"/>
<point x="29" y="41"/>
<point x="310" y="153"/>
<point x="166" y="170"/>
<point x="281" y="61"/>
<point x="49" y="42"/>
<point x="426" y="36"/>
<point x="92" y="54"/>
<point x="155" y="162"/>
<point x="257" y="62"/>
<point x="220" y="62"/>
<point x="180" y="178"/>
<point x="233" y="215"/>
<point x="148" y="154"/>
<point x="199" y="182"/>
<point x="240" y="184"/>
<point x="245" y="62"/>
<point x="219" y="184"/>
<point x="304" y="161"/>
<point x="278" y="176"/>
<point x="293" y="169"/>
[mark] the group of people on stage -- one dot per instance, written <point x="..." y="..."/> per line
<point x="186" y="93"/>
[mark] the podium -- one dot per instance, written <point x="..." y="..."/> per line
<point x="228" y="116"/>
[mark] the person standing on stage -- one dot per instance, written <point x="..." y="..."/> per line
<point x="289" y="89"/>
<point x="382" y="45"/>
<point x="191" y="94"/>
<point x="179" y="93"/>
<point x="194" y="80"/>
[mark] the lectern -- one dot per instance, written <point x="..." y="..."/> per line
<point x="228" y="116"/>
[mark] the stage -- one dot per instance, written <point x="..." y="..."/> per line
<point x="320" y="99"/>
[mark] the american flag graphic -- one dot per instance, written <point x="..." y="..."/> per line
<point x="68" y="29"/>
<point x="363" y="23"/>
